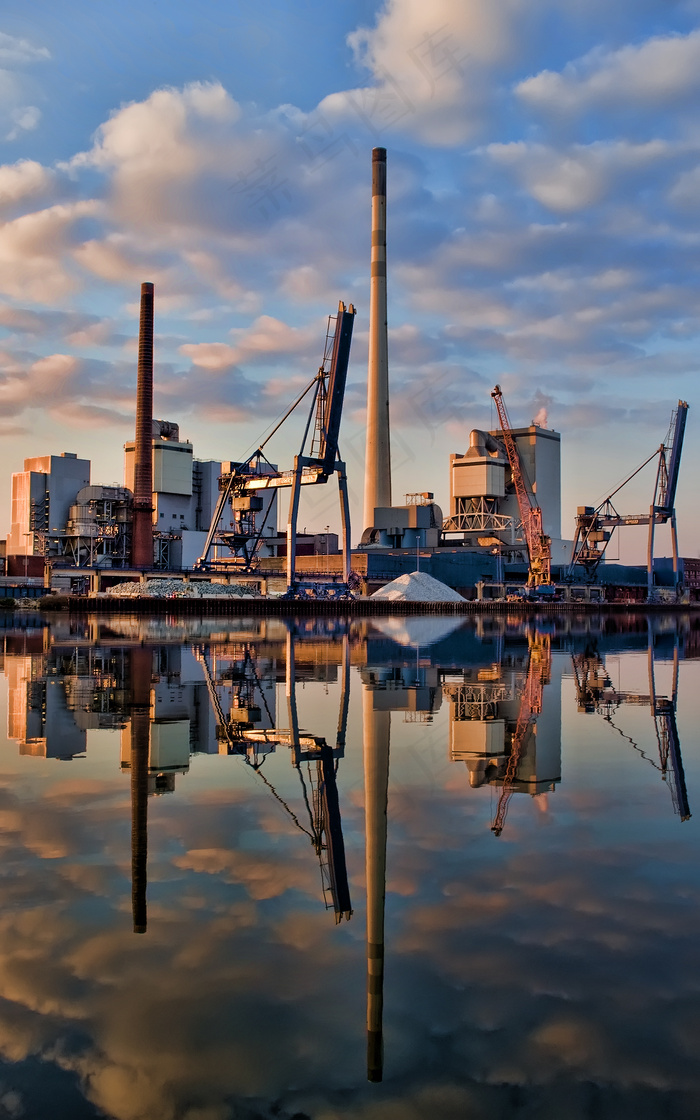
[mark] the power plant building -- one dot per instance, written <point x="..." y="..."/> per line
<point x="58" y="516"/>
<point x="42" y="495"/>
<point x="483" y="503"/>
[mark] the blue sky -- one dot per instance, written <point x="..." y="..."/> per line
<point x="544" y="165"/>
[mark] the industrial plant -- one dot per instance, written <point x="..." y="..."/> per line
<point x="198" y="519"/>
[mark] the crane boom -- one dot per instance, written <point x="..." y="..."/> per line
<point x="674" y="448"/>
<point x="539" y="545"/>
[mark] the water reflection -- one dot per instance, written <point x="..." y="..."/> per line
<point x="511" y="707"/>
<point x="596" y="693"/>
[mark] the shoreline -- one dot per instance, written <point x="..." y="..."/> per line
<point x="353" y="607"/>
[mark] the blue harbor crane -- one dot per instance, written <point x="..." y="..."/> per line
<point x="243" y="486"/>
<point x="595" y="525"/>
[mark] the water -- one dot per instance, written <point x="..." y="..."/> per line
<point x="217" y="786"/>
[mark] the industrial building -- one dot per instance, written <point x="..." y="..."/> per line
<point x="482" y="496"/>
<point x="185" y="492"/>
<point x="59" y="518"/>
<point x="42" y="495"/>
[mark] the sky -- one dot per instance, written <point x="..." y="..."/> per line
<point x="543" y="175"/>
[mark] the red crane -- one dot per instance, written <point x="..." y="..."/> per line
<point x="539" y="545"/>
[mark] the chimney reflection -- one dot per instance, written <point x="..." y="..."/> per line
<point x="376" y="726"/>
<point x="141" y="664"/>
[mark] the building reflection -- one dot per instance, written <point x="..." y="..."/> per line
<point x="170" y="702"/>
<point x="501" y="728"/>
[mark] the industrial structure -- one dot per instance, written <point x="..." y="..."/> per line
<point x="595" y="526"/>
<point x="42" y="496"/>
<point x="485" y="497"/>
<point x="378" y="447"/>
<point x="539" y="545"/>
<point x="183" y="497"/>
<point x="181" y="514"/>
<point x="142" y="533"/>
<point x="243" y="486"/>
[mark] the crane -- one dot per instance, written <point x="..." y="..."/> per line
<point x="538" y="673"/>
<point x="244" y="484"/>
<point x="595" y="526"/>
<point x="539" y="545"/>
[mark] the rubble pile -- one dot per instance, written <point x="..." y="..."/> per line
<point x="418" y="587"/>
<point x="178" y="589"/>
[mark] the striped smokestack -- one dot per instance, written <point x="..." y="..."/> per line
<point x="378" y="454"/>
<point x="142" y="533"/>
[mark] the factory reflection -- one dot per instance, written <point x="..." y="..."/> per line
<point x="219" y="694"/>
<point x="491" y="688"/>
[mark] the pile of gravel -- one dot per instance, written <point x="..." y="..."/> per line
<point x="178" y="589"/>
<point x="418" y="587"/>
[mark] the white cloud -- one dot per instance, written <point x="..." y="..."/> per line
<point x="16" y="89"/>
<point x="17" y="52"/>
<point x="210" y="355"/>
<point x="163" y="155"/>
<point x="579" y="175"/>
<point x="306" y="282"/>
<point x="24" y="179"/>
<point x="34" y="249"/>
<point x="662" y="70"/>
<point x="428" y="63"/>
<point x="267" y="336"/>
<point x="44" y="382"/>
<point x="685" y="192"/>
<point x="25" y="119"/>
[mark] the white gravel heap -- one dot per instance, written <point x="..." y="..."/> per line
<point x="418" y="587"/>
<point x="177" y="588"/>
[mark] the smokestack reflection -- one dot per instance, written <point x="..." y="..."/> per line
<point x="141" y="664"/>
<point x="376" y="728"/>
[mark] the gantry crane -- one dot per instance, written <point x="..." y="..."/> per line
<point x="596" y="525"/>
<point x="539" y="545"/>
<point x="242" y="487"/>
<point x="538" y="675"/>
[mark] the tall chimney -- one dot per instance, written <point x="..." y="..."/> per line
<point x="375" y="728"/>
<point x="142" y="530"/>
<point x="378" y="454"/>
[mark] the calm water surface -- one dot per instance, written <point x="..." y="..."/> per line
<point x="416" y="868"/>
